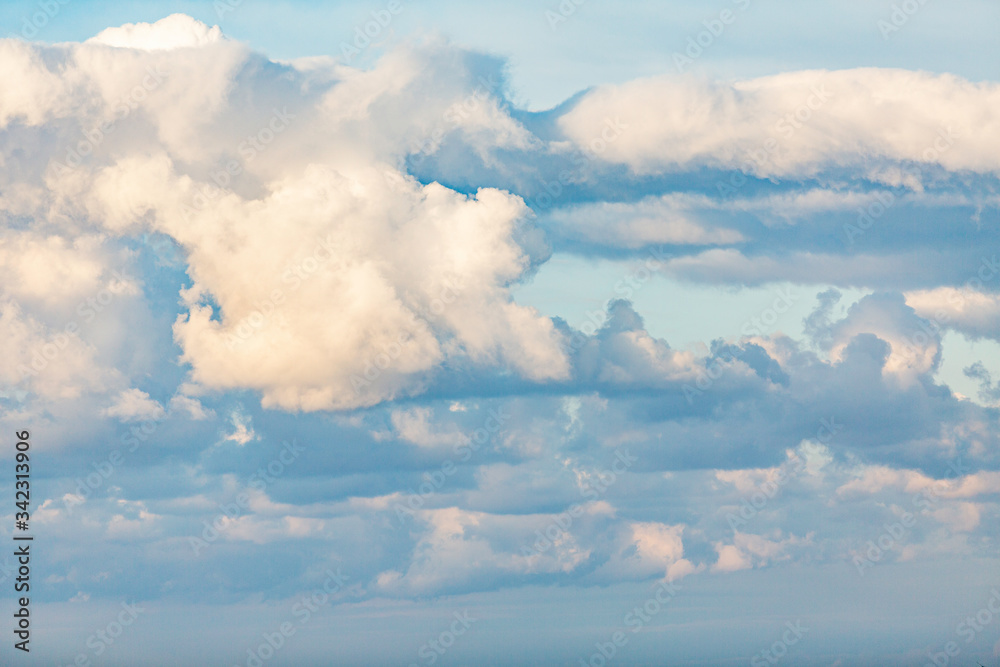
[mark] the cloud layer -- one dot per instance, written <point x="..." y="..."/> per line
<point x="266" y="309"/>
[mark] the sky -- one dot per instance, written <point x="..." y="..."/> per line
<point x="528" y="333"/>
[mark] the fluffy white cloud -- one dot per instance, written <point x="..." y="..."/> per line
<point x="749" y="550"/>
<point x="173" y="32"/>
<point x="134" y="405"/>
<point x="324" y="278"/>
<point x="914" y="345"/>
<point x="415" y="426"/>
<point x="795" y="124"/>
<point x="971" y="312"/>
<point x="59" y="271"/>
<point x="648" y="549"/>
<point x="53" y="363"/>
<point x="372" y="290"/>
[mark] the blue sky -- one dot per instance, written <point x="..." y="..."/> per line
<point x="503" y="330"/>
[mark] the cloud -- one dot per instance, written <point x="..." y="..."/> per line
<point x="53" y="269"/>
<point x="242" y="428"/>
<point x="749" y="551"/>
<point x="623" y="352"/>
<point x="331" y="278"/>
<point x="191" y="406"/>
<point x="988" y="392"/>
<point x="968" y="311"/>
<point x="656" y="221"/>
<point x="349" y="240"/>
<point x="349" y="282"/>
<point x="648" y="549"/>
<point x="53" y="363"/>
<point x="414" y="426"/>
<point x="914" y="345"/>
<point x="134" y="405"/>
<point x="176" y="31"/>
<point x="795" y="124"/>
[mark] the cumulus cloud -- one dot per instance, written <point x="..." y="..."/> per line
<point x="346" y="237"/>
<point x="623" y="352"/>
<point x="914" y="345"/>
<point x="414" y="426"/>
<point x="242" y="425"/>
<point x="794" y="124"/>
<point x="53" y="363"/>
<point x="749" y="551"/>
<point x="173" y="32"/>
<point x="325" y="279"/>
<point x="973" y="313"/>
<point x="134" y="405"/>
<point x="191" y="406"/>
<point x="648" y="549"/>
<point x="325" y="276"/>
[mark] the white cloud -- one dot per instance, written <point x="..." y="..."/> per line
<point x="54" y="363"/>
<point x="416" y="426"/>
<point x="971" y="312"/>
<point x="324" y="278"/>
<point x="192" y="406"/>
<point x="915" y="347"/>
<point x="749" y="551"/>
<point x="670" y="219"/>
<point x="845" y="118"/>
<point x="871" y="480"/>
<point x="648" y="549"/>
<point x="173" y="32"/>
<point x="134" y="405"/>
<point x="242" y="428"/>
